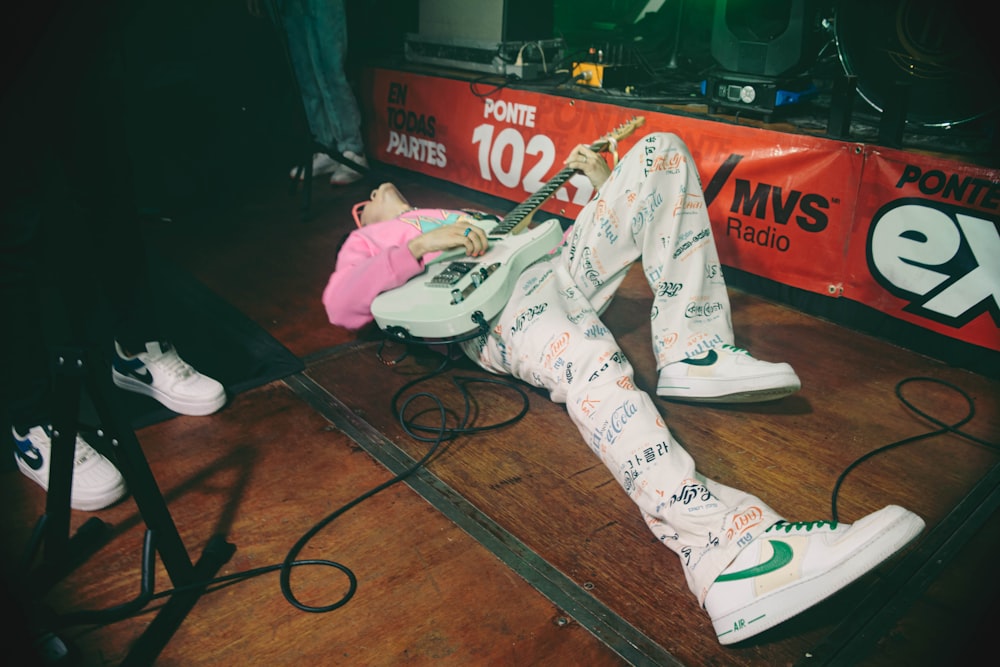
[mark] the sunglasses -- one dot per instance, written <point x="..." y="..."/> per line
<point x="356" y="212"/>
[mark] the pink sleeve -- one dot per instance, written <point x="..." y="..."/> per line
<point x="363" y="272"/>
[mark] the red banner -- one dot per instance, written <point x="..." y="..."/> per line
<point x="925" y="246"/>
<point x="792" y="208"/>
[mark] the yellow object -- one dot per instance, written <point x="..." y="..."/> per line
<point x="589" y="74"/>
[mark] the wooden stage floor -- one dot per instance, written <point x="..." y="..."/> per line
<point x="515" y="546"/>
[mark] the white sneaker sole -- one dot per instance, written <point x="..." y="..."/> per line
<point x="98" y="502"/>
<point x="715" y="390"/>
<point x="770" y="610"/>
<point x="190" y="408"/>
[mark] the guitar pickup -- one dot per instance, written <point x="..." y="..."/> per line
<point x="451" y="274"/>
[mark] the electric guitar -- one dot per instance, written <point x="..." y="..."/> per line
<point x="457" y="294"/>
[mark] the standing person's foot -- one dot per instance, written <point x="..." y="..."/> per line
<point x="159" y="372"/>
<point x="322" y="164"/>
<point x="727" y="374"/>
<point x="96" y="481"/>
<point x="344" y="175"/>
<point x="793" y="566"/>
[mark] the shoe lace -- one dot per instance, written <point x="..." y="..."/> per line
<point x="81" y="452"/>
<point x="789" y="526"/>
<point x="172" y="363"/>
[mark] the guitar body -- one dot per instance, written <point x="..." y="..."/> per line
<point x="441" y="301"/>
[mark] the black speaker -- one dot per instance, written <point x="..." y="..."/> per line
<point x="768" y="38"/>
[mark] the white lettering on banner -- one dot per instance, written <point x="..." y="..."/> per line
<point x="417" y="149"/>
<point x="509" y="112"/>
<point x="943" y="259"/>
<point x="508" y="138"/>
<point x="404" y="124"/>
<point x="981" y="283"/>
<point x="509" y="148"/>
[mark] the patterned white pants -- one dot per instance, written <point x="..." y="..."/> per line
<point x="551" y="335"/>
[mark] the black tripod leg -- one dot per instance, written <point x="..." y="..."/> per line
<point x="156" y="636"/>
<point x="61" y="553"/>
<point x="135" y="469"/>
<point x="67" y="371"/>
<point x="52" y="532"/>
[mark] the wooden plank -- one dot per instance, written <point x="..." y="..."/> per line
<point x="262" y="472"/>
<point x="268" y="466"/>
<point x="538" y="481"/>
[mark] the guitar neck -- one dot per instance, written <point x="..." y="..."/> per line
<point x="517" y="219"/>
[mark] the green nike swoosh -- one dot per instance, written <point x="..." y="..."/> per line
<point x="707" y="360"/>
<point x="781" y="557"/>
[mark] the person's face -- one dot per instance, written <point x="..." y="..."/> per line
<point x="385" y="203"/>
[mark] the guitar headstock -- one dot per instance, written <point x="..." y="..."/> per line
<point x="627" y="128"/>
<point x="619" y="133"/>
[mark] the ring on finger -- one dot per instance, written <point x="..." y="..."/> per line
<point x="468" y="230"/>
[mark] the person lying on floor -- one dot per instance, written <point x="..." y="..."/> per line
<point x="749" y="567"/>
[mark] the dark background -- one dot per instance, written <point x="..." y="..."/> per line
<point x="213" y="109"/>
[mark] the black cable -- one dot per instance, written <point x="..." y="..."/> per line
<point x="945" y="428"/>
<point x="497" y="87"/>
<point x="401" y="334"/>
<point x="442" y="433"/>
<point x="126" y="609"/>
<point x="290" y="562"/>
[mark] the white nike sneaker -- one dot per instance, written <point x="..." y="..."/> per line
<point x="322" y="164"/>
<point x="160" y="373"/>
<point x="96" y="481"/>
<point x="793" y="566"/>
<point x="727" y="374"/>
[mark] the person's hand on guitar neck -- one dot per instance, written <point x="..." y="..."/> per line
<point x="461" y="234"/>
<point x="582" y="158"/>
<point x="590" y="163"/>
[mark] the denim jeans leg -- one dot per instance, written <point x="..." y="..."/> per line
<point x="317" y="42"/>
<point x="299" y="30"/>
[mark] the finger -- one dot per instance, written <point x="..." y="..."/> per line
<point x="470" y="246"/>
<point x="478" y="241"/>
<point x="584" y="158"/>
<point x="468" y="239"/>
<point x="574" y="155"/>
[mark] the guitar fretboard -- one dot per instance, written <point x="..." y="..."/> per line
<point x="519" y="218"/>
<point x="531" y="204"/>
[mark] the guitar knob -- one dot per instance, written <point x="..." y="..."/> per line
<point x="456" y="296"/>
<point x="476" y="278"/>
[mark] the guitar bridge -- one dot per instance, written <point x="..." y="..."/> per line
<point x="455" y="271"/>
<point x="451" y="274"/>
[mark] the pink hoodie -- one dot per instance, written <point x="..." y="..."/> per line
<point x="376" y="258"/>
